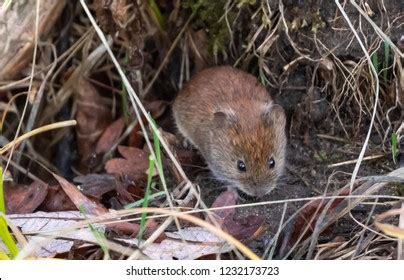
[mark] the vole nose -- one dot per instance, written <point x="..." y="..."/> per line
<point x="260" y="192"/>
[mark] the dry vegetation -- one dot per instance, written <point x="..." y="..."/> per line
<point x="84" y="99"/>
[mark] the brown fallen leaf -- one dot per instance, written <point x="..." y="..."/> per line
<point x="110" y="136"/>
<point x="226" y="198"/>
<point x="135" y="138"/>
<point x="136" y="190"/>
<point x="188" y="244"/>
<point x="156" y="108"/>
<point x="22" y="199"/>
<point x="134" y="164"/>
<point x="249" y="228"/>
<point x="92" y="208"/>
<point x="93" y="116"/>
<point x="96" y="185"/>
<point x="308" y="217"/>
<point x="56" y="200"/>
<point x="79" y="199"/>
<point x="123" y="194"/>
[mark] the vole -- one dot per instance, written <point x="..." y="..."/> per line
<point x="230" y="117"/>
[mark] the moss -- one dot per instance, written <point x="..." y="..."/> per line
<point x="320" y="156"/>
<point x="311" y="19"/>
<point x="400" y="189"/>
<point x="209" y="14"/>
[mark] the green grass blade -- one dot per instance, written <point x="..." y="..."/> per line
<point x="125" y="105"/>
<point x="141" y="201"/>
<point x="146" y="196"/>
<point x="157" y="14"/>
<point x="375" y="61"/>
<point x="98" y="235"/>
<point x="263" y="78"/>
<point x="124" y="96"/>
<point x="394" y="147"/>
<point x="3" y="256"/>
<point x="5" y="234"/>
<point x="157" y="149"/>
<point x="2" y="204"/>
<point x="6" y="5"/>
<point x="386" y="61"/>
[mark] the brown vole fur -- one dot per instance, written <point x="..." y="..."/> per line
<point x="230" y="117"/>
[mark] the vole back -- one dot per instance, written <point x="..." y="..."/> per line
<point x="229" y="116"/>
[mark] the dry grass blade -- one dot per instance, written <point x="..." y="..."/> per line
<point x="160" y="230"/>
<point x="376" y="100"/>
<point x="329" y="216"/>
<point x="354" y="161"/>
<point x="377" y="29"/>
<point x="167" y="56"/>
<point x="63" y="94"/>
<point x="110" y="218"/>
<point x="133" y="96"/>
<point x="31" y="79"/>
<point x="197" y="221"/>
<point x="35" y="132"/>
<point x="137" y="104"/>
<point x="400" y="249"/>
<point x="36" y="103"/>
<point x="394" y="231"/>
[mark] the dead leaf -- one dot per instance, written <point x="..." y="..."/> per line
<point x="56" y="200"/>
<point x="53" y="223"/>
<point x="134" y="164"/>
<point x="110" y="136"/>
<point x="124" y="195"/>
<point x="249" y="228"/>
<point x="17" y="32"/>
<point x="189" y="244"/>
<point x="93" y="116"/>
<point x="308" y="217"/>
<point x="156" y="109"/>
<point x="22" y="199"/>
<point x="96" y="185"/>
<point x="92" y="208"/>
<point x="227" y="198"/>
<point x="79" y="199"/>
<point x="136" y="190"/>
<point x="135" y="138"/>
<point x="122" y="18"/>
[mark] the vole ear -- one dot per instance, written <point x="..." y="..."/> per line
<point x="224" y="118"/>
<point x="273" y="115"/>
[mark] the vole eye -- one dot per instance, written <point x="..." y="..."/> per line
<point x="271" y="163"/>
<point x="241" y="166"/>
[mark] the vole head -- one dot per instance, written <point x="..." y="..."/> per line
<point x="248" y="151"/>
